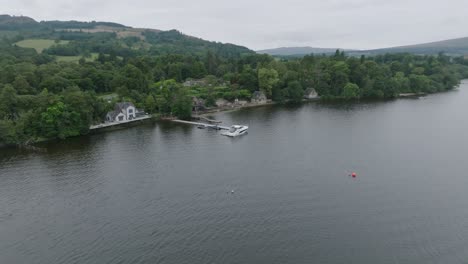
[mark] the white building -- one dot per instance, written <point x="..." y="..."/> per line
<point x="122" y="112"/>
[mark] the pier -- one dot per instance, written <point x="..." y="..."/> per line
<point x="213" y="126"/>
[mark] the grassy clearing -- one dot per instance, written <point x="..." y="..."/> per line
<point x="39" y="44"/>
<point x="93" y="57"/>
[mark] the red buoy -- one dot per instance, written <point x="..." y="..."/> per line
<point x="354" y="174"/>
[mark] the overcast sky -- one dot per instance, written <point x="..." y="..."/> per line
<point x="258" y="24"/>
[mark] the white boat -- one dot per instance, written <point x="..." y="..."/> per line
<point x="236" y="130"/>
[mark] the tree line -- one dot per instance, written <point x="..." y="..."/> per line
<point x="42" y="98"/>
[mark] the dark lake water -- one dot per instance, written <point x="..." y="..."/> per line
<point x="161" y="193"/>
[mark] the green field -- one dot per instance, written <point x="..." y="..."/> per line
<point x="76" y="58"/>
<point x="39" y="44"/>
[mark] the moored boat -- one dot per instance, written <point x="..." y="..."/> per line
<point x="236" y="130"/>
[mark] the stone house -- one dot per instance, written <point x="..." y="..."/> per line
<point x="122" y="112"/>
<point x="259" y="97"/>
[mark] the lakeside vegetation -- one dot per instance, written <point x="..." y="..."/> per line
<point x="45" y="96"/>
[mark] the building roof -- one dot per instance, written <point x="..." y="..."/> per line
<point x="124" y="105"/>
<point x="113" y="114"/>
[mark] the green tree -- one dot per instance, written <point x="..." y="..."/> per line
<point x="248" y="79"/>
<point x="150" y="104"/>
<point x="402" y="82"/>
<point x="58" y="122"/>
<point x="8" y="133"/>
<point x="55" y="83"/>
<point x="211" y="80"/>
<point x="8" y="103"/>
<point x="279" y="95"/>
<point x="350" y="91"/>
<point x="132" y="78"/>
<point x="339" y="76"/>
<point x="22" y="86"/>
<point x="182" y="105"/>
<point x="295" y="91"/>
<point x="420" y="83"/>
<point x="267" y="78"/>
<point x="173" y="99"/>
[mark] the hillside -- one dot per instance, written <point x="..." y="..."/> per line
<point x="83" y="38"/>
<point x="8" y="22"/>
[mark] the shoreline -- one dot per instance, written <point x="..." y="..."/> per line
<point x="94" y="129"/>
<point x="225" y="109"/>
<point x="231" y="109"/>
<point x="247" y="106"/>
<point x="409" y="95"/>
<point x="117" y="124"/>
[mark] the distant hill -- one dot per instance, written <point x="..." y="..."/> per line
<point x="457" y="47"/>
<point x="8" y="22"/>
<point x="83" y="38"/>
<point x="297" y="51"/>
<point x="454" y="47"/>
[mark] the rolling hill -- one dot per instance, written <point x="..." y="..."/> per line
<point x="454" y="47"/>
<point x="83" y="38"/>
<point x="8" y="22"/>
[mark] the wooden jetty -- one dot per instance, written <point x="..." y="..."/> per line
<point x="214" y="126"/>
<point x="211" y="121"/>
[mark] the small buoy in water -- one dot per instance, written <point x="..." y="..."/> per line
<point x="353" y="175"/>
<point x="232" y="191"/>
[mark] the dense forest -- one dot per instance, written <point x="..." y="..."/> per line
<point x="42" y="97"/>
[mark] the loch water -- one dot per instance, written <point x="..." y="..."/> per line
<point x="172" y="193"/>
